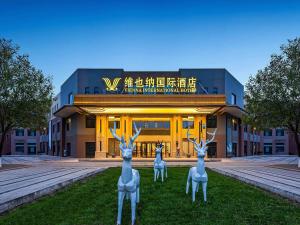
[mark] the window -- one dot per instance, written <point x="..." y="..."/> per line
<point x="31" y="147"/>
<point x="58" y="148"/>
<point x="96" y="90"/>
<point x="68" y="124"/>
<point x="206" y="90"/>
<point x="215" y="90"/>
<point x="188" y="124"/>
<point x="267" y="148"/>
<point x="279" y="147"/>
<point x="19" y="147"/>
<point x="153" y="127"/>
<point x="234" y="124"/>
<point x="245" y="128"/>
<point x="279" y="132"/>
<point x="212" y="150"/>
<point x="245" y="148"/>
<point x="70" y="98"/>
<point x="211" y="121"/>
<point x="87" y="90"/>
<point x="233" y="99"/>
<point x="58" y="127"/>
<point x="31" y="133"/>
<point x="268" y="132"/>
<point x="90" y="148"/>
<point x="53" y="128"/>
<point x="19" y="132"/>
<point x="111" y="124"/>
<point x="90" y="121"/>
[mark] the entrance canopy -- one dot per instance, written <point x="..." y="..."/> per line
<point x="147" y="104"/>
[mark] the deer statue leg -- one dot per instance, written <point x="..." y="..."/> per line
<point x="120" y="205"/>
<point x="133" y="206"/>
<point x="155" y="171"/>
<point x="127" y="195"/>
<point x="204" y="185"/>
<point x="188" y="183"/>
<point x="197" y="188"/>
<point x="162" y="174"/>
<point x="138" y="195"/>
<point x="166" y="171"/>
<point x="194" y="185"/>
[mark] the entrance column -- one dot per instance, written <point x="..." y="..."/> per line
<point x="202" y="130"/>
<point x="179" y="136"/>
<point x="101" y="137"/>
<point x="173" y="135"/>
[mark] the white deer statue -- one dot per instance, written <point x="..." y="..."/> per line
<point x="197" y="173"/>
<point x="129" y="181"/>
<point x="159" y="165"/>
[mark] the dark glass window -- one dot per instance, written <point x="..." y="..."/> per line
<point x="53" y="128"/>
<point x="90" y="148"/>
<point x="188" y="124"/>
<point x="279" y="132"/>
<point x="153" y="127"/>
<point x="31" y="133"/>
<point x="70" y="98"/>
<point x="19" y="132"/>
<point x="19" y="147"/>
<point x="215" y="90"/>
<point x="245" y="128"/>
<point x="87" y="90"/>
<point x="267" y="148"/>
<point x="58" y="127"/>
<point x="111" y="124"/>
<point x="234" y="123"/>
<point x="212" y="150"/>
<point x="96" y="90"/>
<point x="68" y="126"/>
<point x="31" y="147"/>
<point x="268" y="132"/>
<point x="233" y="99"/>
<point x="279" y="147"/>
<point x="90" y="121"/>
<point x="206" y="89"/>
<point x="211" y="121"/>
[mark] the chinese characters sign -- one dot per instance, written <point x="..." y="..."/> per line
<point x="148" y="85"/>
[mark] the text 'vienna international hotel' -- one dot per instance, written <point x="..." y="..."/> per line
<point x="164" y="104"/>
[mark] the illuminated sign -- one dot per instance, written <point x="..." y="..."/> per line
<point x="150" y="85"/>
<point x="111" y="86"/>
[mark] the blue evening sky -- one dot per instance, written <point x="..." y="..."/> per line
<point x="61" y="36"/>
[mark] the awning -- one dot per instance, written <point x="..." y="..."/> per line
<point x="233" y="110"/>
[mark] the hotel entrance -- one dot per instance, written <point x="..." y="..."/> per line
<point x="147" y="149"/>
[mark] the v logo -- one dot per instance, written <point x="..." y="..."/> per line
<point x="111" y="86"/>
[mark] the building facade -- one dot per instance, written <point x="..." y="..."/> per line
<point x="26" y="142"/>
<point x="164" y="104"/>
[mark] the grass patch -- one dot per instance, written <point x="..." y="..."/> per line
<point x="94" y="202"/>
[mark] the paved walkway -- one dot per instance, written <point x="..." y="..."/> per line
<point x="19" y="186"/>
<point x="263" y="172"/>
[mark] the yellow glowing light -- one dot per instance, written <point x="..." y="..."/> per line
<point x="149" y="110"/>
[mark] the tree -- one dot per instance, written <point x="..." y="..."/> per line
<point x="25" y="92"/>
<point x="273" y="94"/>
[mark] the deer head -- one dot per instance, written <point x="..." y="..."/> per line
<point x="159" y="147"/>
<point x="126" y="149"/>
<point x="201" y="147"/>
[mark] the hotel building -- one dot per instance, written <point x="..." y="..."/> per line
<point x="164" y="104"/>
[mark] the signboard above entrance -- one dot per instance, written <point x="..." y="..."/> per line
<point x="151" y="85"/>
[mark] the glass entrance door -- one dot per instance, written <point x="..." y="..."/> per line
<point x="147" y="149"/>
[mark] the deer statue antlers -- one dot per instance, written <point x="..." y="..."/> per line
<point x="121" y="139"/>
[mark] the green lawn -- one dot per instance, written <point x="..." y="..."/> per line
<point x="95" y="202"/>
